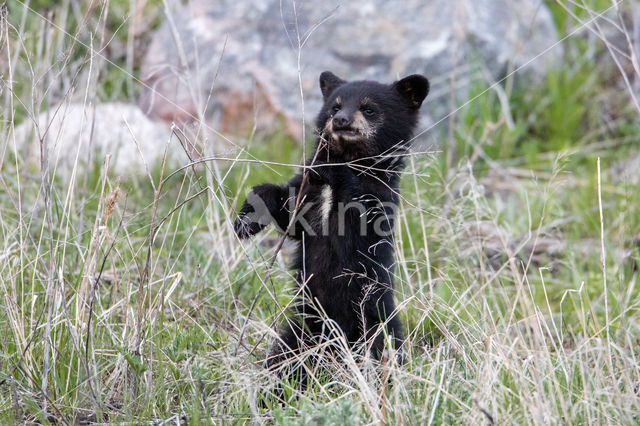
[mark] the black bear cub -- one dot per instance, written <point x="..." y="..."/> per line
<point x="340" y="208"/>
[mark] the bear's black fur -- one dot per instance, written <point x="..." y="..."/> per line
<point x="344" y="217"/>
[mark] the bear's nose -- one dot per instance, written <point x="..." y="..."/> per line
<point x="341" y="122"/>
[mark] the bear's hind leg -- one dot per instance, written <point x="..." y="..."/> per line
<point x="288" y="359"/>
<point x="383" y="312"/>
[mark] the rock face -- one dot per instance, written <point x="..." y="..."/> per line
<point x="241" y="61"/>
<point x="72" y="135"/>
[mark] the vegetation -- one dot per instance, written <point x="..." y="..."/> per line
<point x="130" y="300"/>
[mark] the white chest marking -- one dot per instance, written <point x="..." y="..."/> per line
<point x="327" y="202"/>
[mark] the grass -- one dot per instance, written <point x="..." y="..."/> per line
<point x="130" y="300"/>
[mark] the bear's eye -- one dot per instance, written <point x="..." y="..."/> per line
<point x="335" y="108"/>
<point x="368" y="111"/>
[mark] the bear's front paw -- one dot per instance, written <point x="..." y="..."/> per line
<point x="244" y="226"/>
<point x="255" y="213"/>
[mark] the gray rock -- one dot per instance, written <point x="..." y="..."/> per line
<point x="73" y="138"/>
<point x="626" y="172"/>
<point x="245" y="53"/>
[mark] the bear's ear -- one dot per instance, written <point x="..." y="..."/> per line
<point x="413" y="88"/>
<point x="328" y="83"/>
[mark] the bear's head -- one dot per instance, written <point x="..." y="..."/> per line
<point x="362" y="119"/>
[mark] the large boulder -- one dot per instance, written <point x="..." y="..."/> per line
<point x="242" y="61"/>
<point x="74" y="134"/>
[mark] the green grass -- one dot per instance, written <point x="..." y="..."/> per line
<point x="499" y="269"/>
